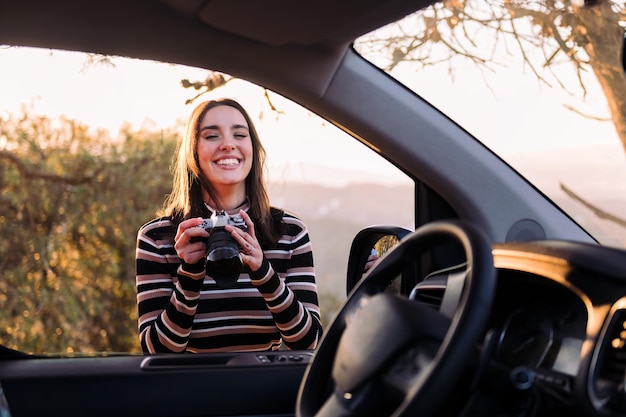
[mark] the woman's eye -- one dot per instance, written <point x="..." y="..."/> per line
<point x="210" y="137"/>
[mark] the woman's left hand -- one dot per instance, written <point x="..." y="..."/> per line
<point x="251" y="252"/>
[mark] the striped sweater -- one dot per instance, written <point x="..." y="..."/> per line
<point x="267" y="308"/>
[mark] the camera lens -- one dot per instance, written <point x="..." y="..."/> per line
<point x="223" y="259"/>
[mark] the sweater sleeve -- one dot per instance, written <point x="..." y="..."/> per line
<point x="167" y="292"/>
<point x="293" y="301"/>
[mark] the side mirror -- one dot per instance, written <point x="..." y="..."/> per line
<point x="379" y="238"/>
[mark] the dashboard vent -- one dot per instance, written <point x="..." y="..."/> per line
<point x="430" y="292"/>
<point x="430" y="296"/>
<point x="612" y="363"/>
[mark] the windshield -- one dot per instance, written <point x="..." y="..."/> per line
<point x="541" y="87"/>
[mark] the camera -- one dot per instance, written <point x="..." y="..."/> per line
<point x="223" y="261"/>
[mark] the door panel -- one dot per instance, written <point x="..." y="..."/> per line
<point x="239" y="384"/>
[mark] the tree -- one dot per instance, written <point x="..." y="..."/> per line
<point x="588" y="36"/>
<point x="71" y="202"/>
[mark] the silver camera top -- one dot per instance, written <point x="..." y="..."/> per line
<point x="221" y="219"/>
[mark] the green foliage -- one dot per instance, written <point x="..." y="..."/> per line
<point x="71" y="202"/>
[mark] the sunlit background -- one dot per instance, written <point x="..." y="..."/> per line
<point x="149" y="95"/>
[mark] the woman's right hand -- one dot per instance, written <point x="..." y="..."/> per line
<point x="191" y="250"/>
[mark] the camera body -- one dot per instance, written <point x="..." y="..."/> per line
<point x="223" y="261"/>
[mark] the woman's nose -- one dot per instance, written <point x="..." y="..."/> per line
<point x="227" y="146"/>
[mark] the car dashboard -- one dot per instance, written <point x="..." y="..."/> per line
<point x="556" y="338"/>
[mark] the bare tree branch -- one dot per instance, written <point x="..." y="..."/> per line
<point x="588" y="116"/>
<point x="598" y="212"/>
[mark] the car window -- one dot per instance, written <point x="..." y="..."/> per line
<point x="524" y="84"/>
<point x="85" y="147"/>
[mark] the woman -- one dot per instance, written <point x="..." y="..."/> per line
<point x="219" y="168"/>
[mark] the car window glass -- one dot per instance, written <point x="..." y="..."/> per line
<point x="523" y="84"/>
<point x="85" y="147"/>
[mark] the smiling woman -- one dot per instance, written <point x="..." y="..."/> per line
<point x="189" y="298"/>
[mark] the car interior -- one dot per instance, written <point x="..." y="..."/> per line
<point x="494" y="302"/>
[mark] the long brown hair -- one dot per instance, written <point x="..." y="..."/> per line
<point x="185" y="201"/>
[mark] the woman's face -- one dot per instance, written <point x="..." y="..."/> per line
<point x="224" y="148"/>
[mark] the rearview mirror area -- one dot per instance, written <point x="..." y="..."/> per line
<point x="381" y="239"/>
<point x="373" y="240"/>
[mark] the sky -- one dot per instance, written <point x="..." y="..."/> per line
<point x="150" y="94"/>
<point x="541" y="131"/>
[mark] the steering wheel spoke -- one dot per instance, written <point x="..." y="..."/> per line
<point x="380" y="328"/>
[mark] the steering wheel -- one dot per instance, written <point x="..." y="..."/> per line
<point x="387" y="355"/>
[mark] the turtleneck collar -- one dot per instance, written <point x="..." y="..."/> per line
<point x="245" y="205"/>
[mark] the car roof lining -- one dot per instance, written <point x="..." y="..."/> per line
<point x="283" y="22"/>
<point x="148" y="30"/>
